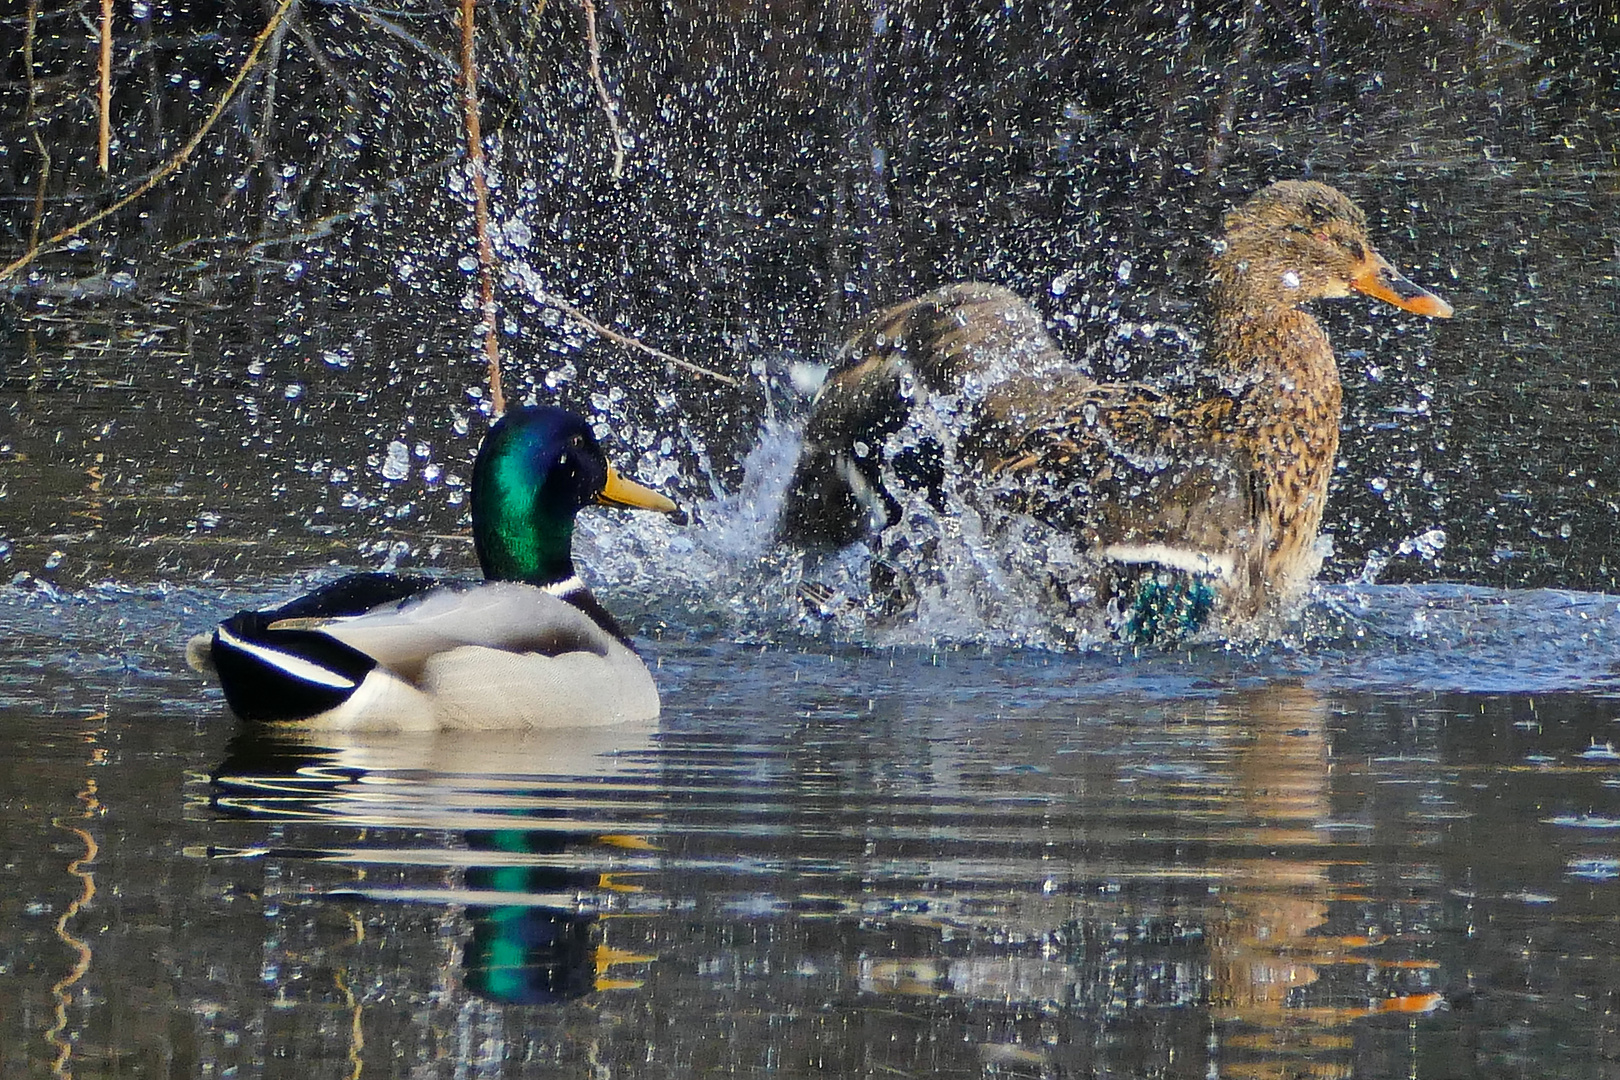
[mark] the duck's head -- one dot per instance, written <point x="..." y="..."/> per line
<point x="1300" y="240"/>
<point x="538" y="467"/>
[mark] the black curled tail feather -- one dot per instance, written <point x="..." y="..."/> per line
<point x="283" y="675"/>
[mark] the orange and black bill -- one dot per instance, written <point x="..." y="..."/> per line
<point x="1383" y="282"/>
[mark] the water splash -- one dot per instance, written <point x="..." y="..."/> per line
<point x="1025" y="586"/>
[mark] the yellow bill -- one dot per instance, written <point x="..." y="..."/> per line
<point x="620" y="491"/>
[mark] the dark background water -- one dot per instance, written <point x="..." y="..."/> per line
<point x="296" y="299"/>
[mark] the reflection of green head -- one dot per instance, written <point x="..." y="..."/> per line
<point x="523" y="955"/>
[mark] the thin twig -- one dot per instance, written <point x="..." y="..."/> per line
<point x="609" y="108"/>
<point x="475" y="166"/>
<point x="321" y="227"/>
<point x="439" y="57"/>
<point x="261" y="137"/>
<point x="154" y="97"/>
<point x="552" y="301"/>
<point x="174" y="164"/>
<point x="33" y="127"/>
<point x="104" y="99"/>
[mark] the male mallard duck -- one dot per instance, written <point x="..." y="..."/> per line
<point x="529" y="647"/>
<point x="1192" y="498"/>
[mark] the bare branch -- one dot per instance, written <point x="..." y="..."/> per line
<point x="104" y="95"/>
<point x="33" y="126"/>
<point x="609" y="107"/>
<point x="475" y="167"/>
<point x="552" y="301"/>
<point x="174" y="164"/>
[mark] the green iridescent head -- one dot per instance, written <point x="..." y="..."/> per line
<point x="538" y="467"/>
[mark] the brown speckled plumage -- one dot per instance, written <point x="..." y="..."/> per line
<point x="1227" y="476"/>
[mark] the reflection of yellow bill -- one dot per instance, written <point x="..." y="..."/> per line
<point x="611" y="883"/>
<point x="606" y="957"/>
<point x="621" y="491"/>
<point x="1410" y="1003"/>
<point x="626" y="842"/>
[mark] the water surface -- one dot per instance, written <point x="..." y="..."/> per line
<point x="845" y="861"/>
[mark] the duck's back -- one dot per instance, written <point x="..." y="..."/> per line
<point x="959" y="339"/>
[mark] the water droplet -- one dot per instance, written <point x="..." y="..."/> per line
<point x="397" y="465"/>
<point x="517" y="233"/>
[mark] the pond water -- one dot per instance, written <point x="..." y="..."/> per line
<point x="1387" y="846"/>
<point x="1381" y="841"/>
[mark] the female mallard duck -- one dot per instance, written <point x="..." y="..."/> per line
<point x="529" y="647"/>
<point x="1219" y="485"/>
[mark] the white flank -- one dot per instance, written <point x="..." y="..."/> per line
<point x="1189" y="559"/>
<point x="295" y="666"/>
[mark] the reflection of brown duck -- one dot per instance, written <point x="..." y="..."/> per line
<point x="1220" y="483"/>
<point x="1266" y="933"/>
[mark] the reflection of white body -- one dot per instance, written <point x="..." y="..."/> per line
<point x="492" y="760"/>
<point x="434" y="780"/>
<point x="498" y="655"/>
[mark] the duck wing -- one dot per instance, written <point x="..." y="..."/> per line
<point x="1141" y="474"/>
<point x="278" y="665"/>
<point x="429" y="655"/>
<point x="354" y="595"/>
<point x="505" y="616"/>
<point x="949" y="338"/>
<point x="958" y="339"/>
